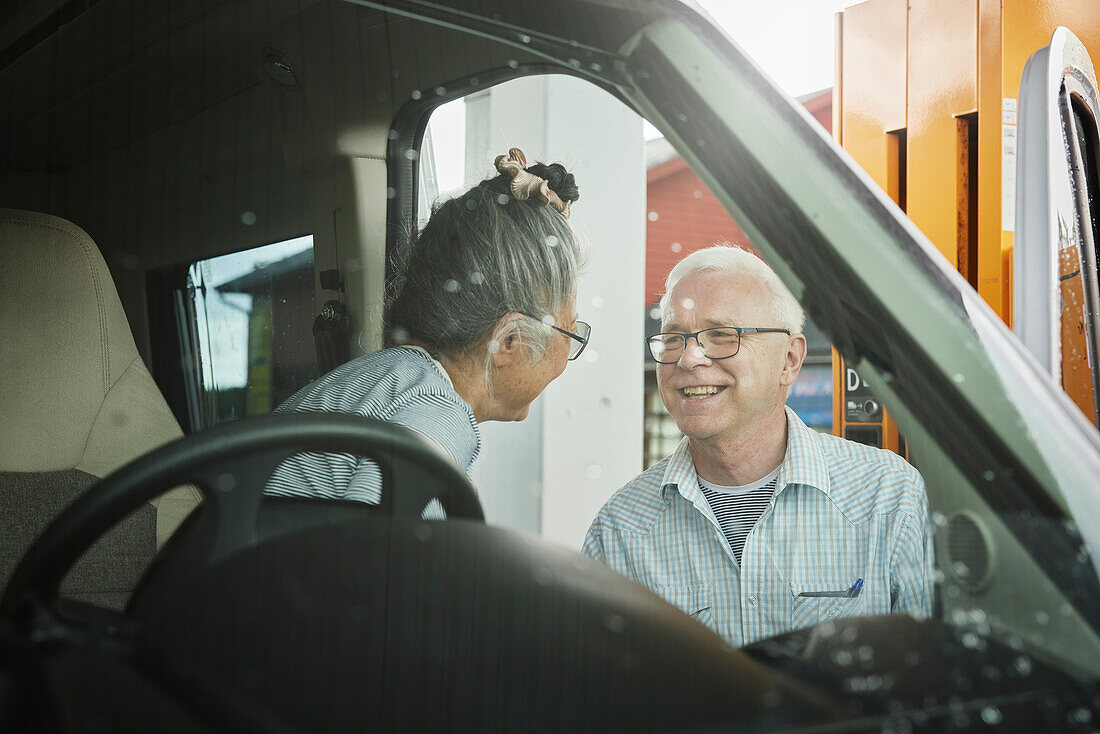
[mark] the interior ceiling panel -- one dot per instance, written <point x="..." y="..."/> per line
<point x="122" y="69"/>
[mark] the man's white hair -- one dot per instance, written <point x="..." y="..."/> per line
<point x="732" y="259"/>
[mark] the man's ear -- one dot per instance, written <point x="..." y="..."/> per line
<point x="504" y="344"/>
<point x="796" y="355"/>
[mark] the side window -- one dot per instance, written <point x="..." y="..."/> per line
<point x="641" y="210"/>
<point x="244" y="330"/>
<point x="550" y="473"/>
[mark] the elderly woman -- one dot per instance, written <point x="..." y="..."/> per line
<point x="484" y="321"/>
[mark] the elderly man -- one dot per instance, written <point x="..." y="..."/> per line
<point x="756" y="524"/>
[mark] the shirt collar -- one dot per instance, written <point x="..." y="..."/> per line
<point x="804" y="463"/>
<point x="680" y="473"/>
<point x="435" y="362"/>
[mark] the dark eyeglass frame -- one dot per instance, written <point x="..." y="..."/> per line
<point x="583" y="340"/>
<point x="695" y="335"/>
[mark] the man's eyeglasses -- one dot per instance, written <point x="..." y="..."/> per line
<point x="720" y="342"/>
<point x="580" y="339"/>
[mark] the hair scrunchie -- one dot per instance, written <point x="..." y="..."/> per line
<point x="526" y="184"/>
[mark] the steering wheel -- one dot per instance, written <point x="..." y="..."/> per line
<point x="231" y="465"/>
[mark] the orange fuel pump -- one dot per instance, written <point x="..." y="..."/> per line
<point x="926" y="100"/>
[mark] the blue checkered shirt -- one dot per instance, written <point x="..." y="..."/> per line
<point x="842" y="511"/>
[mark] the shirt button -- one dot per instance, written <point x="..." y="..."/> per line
<point x="752" y="599"/>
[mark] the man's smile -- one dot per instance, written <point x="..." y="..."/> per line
<point x="701" y="391"/>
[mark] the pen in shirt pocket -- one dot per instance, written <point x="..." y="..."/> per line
<point x="851" y="592"/>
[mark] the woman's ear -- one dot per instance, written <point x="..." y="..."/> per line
<point x="504" y="344"/>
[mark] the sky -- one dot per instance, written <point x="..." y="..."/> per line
<point x="791" y="40"/>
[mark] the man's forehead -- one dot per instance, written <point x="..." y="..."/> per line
<point x="717" y="298"/>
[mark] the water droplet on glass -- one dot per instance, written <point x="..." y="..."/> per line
<point x="1022" y="664"/>
<point x="400" y="335"/>
<point x="989" y="475"/>
<point x="688" y="304"/>
<point x="225" y="483"/>
<point x="471" y="205"/>
<point x="615" y="623"/>
<point x="591" y="355"/>
<point x="866" y="653"/>
<point x="655" y="313"/>
<point x="843" y="658"/>
<point x="391" y="192"/>
<point x="513" y="64"/>
<point x="675" y="247"/>
<point x="552" y="241"/>
<point x="474" y="81"/>
<point x="502" y="199"/>
<point x="411" y="154"/>
<point x="543" y="576"/>
<point x="939" y="519"/>
<point x="477" y="278"/>
<point x="575" y="63"/>
<point x="440" y="91"/>
<point x="248" y="218"/>
<point x="771" y="698"/>
<point x="548" y="320"/>
<point x="597" y="302"/>
<point x="594" y="471"/>
<point x="959" y="377"/>
<point x="992" y="715"/>
<point x="525" y="38"/>
<point x="423" y="532"/>
<point x="605" y="403"/>
<point x="392" y="134"/>
<point x="416" y="94"/>
<point x="451" y="286"/>
<point x="1080" y="716"/>
<point x="493" y="346"/>
<point x="697" y="194"/>
<point x="1042" y="617"/>
<point x="597" y="68"/>
<point x="937" y="576"/>
<point x="652" y="216"/>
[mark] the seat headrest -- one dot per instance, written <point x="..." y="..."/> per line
<point x="74" y="392"/>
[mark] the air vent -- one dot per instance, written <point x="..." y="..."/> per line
<point x="969" y="552"/>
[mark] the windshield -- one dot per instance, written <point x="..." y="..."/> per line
<point x="991" y="437"/>
<point x="466" y="223"/>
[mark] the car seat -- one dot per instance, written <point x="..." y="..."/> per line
<point x="76" y="403"/>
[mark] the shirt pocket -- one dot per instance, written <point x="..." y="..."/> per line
<point x="806" y="611"/>
<point x="692" y="600"/>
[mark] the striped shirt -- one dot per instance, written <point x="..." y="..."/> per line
<point x="738" y="508"/>
<point x="401" y="385"/>
<point x="843" y="512"/>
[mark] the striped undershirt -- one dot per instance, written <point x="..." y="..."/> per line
<point x="738" y="508"/>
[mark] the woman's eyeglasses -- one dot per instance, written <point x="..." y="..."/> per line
<point x="580" y="339"/>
